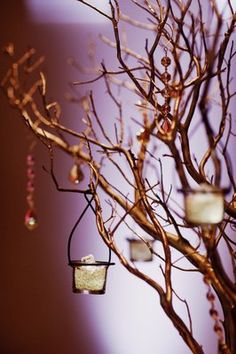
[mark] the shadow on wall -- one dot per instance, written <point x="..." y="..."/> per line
<point x="39" y="313"/>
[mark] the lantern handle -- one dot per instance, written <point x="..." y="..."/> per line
<point x="89" y="204"/>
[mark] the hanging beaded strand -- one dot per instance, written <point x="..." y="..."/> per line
<point x="222" y="347"/>
<point x="165" y="92"/>
<point x="30" y="220"/>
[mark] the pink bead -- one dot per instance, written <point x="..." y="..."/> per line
<point x="30" y="160"/>
<point x="30" y="187"/>
<point x="30" y="173"/>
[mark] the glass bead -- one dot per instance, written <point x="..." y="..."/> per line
<point x="31" y="219"/>
<point x="213" y="313"/>
<point x="165" y="109"/>
<point x="165" y="76"/>
<point x="30" y="173"/>
<point x="217" y="329"/>
<point x="174" y="93"/>
<point x="30" y="187"/>
<point x="210" y="296"/>
<point x="166" y="126"/>
<point x="166" y="92"/>
<point x="165" y="61"/>
<point x="30" y="201"/>
<point x="30" y="160"/>
<point x="29" y="198"/>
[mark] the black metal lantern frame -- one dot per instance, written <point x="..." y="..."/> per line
<point x="88" y="277"/>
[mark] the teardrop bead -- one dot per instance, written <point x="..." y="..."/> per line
<point x="76" y="174"/>
<point x="166" y="126"/>
<point x="31" y="220"/>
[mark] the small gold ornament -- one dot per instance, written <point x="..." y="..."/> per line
<point x="76" y="174"/>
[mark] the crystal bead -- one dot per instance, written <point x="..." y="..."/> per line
<point x="30" y="160"/>
<point x="217" y="329"/>
<point x="165" y="61"/>
<point x="210" y="296"/>
<point x="31" y="221"/>
<point x="213" y="313"/>
<point x="166" y="126"/>
<point x="166" y="92"/>
<point x="165" y="109"/>
<point x="30" y="173"/>
<point x="174" y="92"/>
<point x="165" y="76"/>
<point x="30" y="187"/>
<point x="76" y="174"/>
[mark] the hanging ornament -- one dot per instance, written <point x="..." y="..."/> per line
<point x="217" y="327"/>
<point x="204" y="205"/>
<point x="166" y="93"/>
<point x="139" y="250"/>
<point x="76" y="174"/>
<point x="30" y="218"/>
<point x="89" y="276"/>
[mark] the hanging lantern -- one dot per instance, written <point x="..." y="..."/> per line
<point x="89" y="275"/>
<point x="204" y="205"/>
<point x="139" y="250"/>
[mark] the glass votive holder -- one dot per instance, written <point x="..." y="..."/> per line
<point x="89" y="278"/>
<point x="204" y="205"/>
<point x="139" y="250"/>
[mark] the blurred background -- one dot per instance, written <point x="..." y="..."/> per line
<point x="39" y="314"/>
